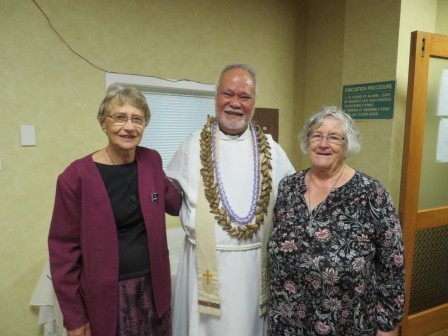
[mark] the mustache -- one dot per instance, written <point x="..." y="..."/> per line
<point x="237" y="112"/>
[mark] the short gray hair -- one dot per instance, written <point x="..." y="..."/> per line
<point x="119" y="94"/>
<point x="349" y="128"/>
<point x="245" y="67"/>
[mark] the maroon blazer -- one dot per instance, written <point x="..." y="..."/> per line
<point x="83" y="241"/>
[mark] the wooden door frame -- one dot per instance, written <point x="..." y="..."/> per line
<point x="423" y="47"/>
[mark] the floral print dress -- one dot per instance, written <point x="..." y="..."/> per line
<point x="341" y="273"/>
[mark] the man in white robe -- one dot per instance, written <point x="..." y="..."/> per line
<point x="237" y="305"/>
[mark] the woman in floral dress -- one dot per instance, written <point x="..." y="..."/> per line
<point x="336" y="252"/>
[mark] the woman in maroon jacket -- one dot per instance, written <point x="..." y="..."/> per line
<point x="107" y="241"/>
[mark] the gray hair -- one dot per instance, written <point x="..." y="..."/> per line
<point x="245" y="67"/>
<point x="351" y="132"/>
<point x="120" y="95"/>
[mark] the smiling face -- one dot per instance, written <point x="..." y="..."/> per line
<point x="235" y="101"/>
<point x="326" y="156"/>
<point x="124" y="137"/>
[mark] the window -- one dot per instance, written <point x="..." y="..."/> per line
<point x="178" y="108"/>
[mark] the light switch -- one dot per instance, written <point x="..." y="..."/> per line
<point x="27" y="135"/>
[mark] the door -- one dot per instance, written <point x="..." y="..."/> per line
<point x="267" y="118"/>
<point x="424" y="186"/>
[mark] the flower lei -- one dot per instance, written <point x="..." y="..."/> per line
<point x="211" y="186"/>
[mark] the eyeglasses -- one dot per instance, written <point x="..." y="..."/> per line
<point x="332" y="138"/>
<point x="122" y="119"/>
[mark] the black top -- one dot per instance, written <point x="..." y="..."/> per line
<point x="121" y="182"/>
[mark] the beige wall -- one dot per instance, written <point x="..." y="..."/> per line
<point x="324" y="52"/>
<point x="351" y="42"/>
<point x="370" y="56"/>
<point x="304" y="52"/>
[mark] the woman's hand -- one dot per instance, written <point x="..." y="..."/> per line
<point x="83" y="331"/>
<point x="387" y="333"/>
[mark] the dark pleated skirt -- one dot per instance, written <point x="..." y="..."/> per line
<point x="137" y="314"/>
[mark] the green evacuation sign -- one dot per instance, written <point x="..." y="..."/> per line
<point x="369" y="100"/>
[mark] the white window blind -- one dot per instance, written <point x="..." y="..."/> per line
<point x="174" y="116"/>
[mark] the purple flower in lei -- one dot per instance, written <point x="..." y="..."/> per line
<point x="256" y="186"/>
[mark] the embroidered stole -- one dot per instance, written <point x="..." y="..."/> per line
<point x="207" y="266"/>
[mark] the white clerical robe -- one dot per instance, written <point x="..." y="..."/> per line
<point x="238" y="261"/>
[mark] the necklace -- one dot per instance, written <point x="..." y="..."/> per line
<point x="214" y="188"/>
<point x="312" y="217"/>
<point x="256" y="182"/>
<point x="134" y="195"/>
